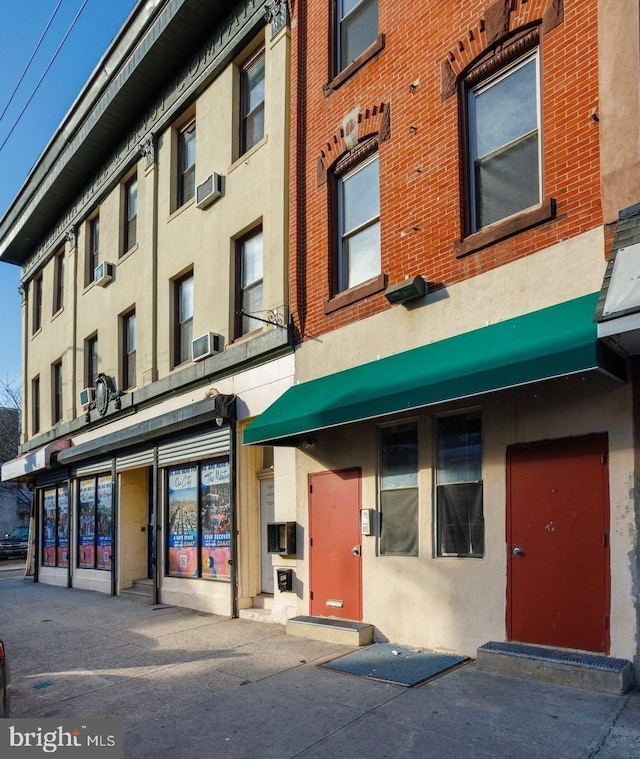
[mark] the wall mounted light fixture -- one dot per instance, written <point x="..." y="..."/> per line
<point x="407" y="289"/>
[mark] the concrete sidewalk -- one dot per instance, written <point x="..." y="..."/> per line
<point x="189" y="684"/>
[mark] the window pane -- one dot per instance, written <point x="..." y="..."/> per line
<point x="131" y="333"/>
<point x="186" y="299"/>
<point x="459" y="448"/>
<point x="507" y="181"/>
<point x="186" y="336"/>
<point x="252" y="268"/>
<point x="398" y="456"/>
<point x="132" y="199"/>
<point x="182" y="498"/>
<point x="254" y="127"/>
<point x="252" y="103"/>
<point x="255" y="84"/>
<point x="361" y="196"/>
<point x="188" y="151"/>
<point x="399" y="524"/>
<point x="87" y="523"/>
<point x="358" y="29"/>
<point x="361" y="256"/>
<point x="506" y="109"/>
<point x="460" y="519"/>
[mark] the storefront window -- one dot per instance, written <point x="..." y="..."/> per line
<point x="199" y="504"/>
<point x="95" y="514"/>
<point x="55" y="527"/>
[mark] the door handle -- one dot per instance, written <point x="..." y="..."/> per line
<point x="517" y="551"/>
<point x="356" y="550"/>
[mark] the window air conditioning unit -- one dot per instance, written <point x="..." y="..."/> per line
<point x="206" y="345"/>
<point x="104" y="273"/>
<point x="87" y="396"/>
<point x="209" y="191"/>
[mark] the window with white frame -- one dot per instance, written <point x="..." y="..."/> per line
<point x="358" y="195"/>
<point x="398" y="489"/>
<point x="459" y="508"/>
<point x="504" y="143"/>
<point x="357" y="28"/>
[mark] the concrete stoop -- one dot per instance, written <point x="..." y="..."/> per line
<point x="556" y="665"/>
<point x="261" y="609"/>
<point x="331" y="630"/>
<point x="140" y="590"/>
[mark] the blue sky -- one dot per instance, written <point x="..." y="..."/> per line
<point x="21" y="26"/>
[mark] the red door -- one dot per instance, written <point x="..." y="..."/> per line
<point x="335" y="570"/>
<point x="558" y="543"/>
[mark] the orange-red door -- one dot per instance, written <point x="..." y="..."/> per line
<point x="558" y="573"/>
<point x="335" y="572"/>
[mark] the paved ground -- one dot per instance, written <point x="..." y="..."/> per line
<point x="187" y="684"/>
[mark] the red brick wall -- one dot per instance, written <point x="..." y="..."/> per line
<point x="420" y="165"/>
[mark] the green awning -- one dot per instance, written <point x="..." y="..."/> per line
<point x="553" y="342"/>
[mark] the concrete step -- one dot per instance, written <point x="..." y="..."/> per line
<point x="557" y="665"/>
<point x="257" y="615"/>
<point x="263" y="601"/>
<point x="331" y="630"/>
<point x="140" y="590"/>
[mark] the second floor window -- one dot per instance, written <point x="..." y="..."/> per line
<point x="129" y="232"/>
<point x="359" y="225"/>
<point x="183" y="318"/>
<point x="357" y="28"/>
<point x="37" y="304"/>
<point x="93" y="247"/>
<point x="186" y="163"/>
<point x="504" y="144"/>
<point x="58" y="295"/>
<point x="129" y="340"/>
<point x="91" y="361"/>
<point x="56" y="392"/>
<point x="249" y="293"/>
<point x="252" y="103"/>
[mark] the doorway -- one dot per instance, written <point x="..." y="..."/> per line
<point x="558" y="572"/>
<point x="335" y="567"/>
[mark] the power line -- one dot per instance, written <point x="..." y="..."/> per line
<point x="29" y="62"/>
<point x="46" y="71"/>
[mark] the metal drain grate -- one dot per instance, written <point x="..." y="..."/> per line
<point x="394" y="664"/>
<point x="590" y="661"/>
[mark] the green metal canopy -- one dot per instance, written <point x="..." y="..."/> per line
<point x="552" y="342"/>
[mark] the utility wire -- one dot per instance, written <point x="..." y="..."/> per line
<point x="29" y="62"/>
<point x="46" y="71"/>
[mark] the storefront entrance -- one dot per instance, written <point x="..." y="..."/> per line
<point x="334" y="544"/>
<point x="558" y="543"/>
<point x="135" y="528"/>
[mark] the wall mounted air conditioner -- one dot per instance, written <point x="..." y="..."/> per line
<point x="87" y="396"/>
<point x="206" y="345"/>
<point x="104" y="273"/>
<point x="209" y="191"/>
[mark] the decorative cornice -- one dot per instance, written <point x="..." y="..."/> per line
<point x="70" y="236"/>
<point x="277" y="13"/>
<point x="148" y="150"/>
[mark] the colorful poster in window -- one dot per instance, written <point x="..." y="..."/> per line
<point x="104" y="523"/>
<point x="63" y="526"/>
<point x="87" y="524"/>
<point x="49" y="529"/>
<point x="215" y="516"/>
<point x="183" y="521"/>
